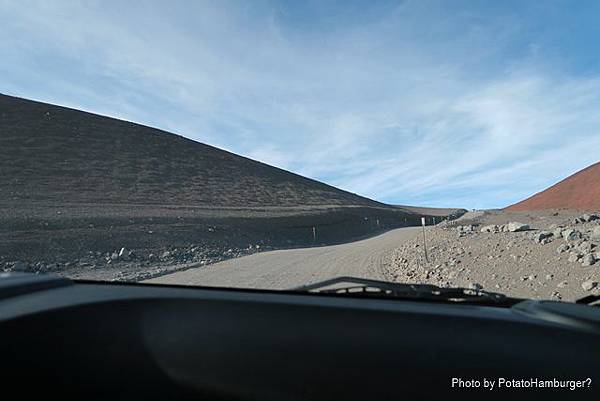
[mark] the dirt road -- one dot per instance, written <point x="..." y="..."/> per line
<point x="285" y="269"/>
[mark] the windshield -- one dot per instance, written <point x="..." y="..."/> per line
<point x="275" y="145"/>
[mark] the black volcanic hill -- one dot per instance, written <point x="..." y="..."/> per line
<point x="52" y="153"/>
<point x="75" y="184"/>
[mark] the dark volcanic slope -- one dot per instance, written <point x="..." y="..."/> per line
<point x="52" y="153"/>
<point x="75" y="184"/>
<point x="580" y="191"/>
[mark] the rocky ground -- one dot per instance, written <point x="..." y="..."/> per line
<point x="127" y="265"/>
<point x="542" y="255"/>
<point x="138" y="242"/>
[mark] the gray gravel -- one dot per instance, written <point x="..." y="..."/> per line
<point x="284" y="269"/>
<point x="556" y="257"/>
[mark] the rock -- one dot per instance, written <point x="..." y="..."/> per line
<point x="542" y="236"/>
<point x="165" y="255"/>
<point x="571" y="235"/>
<point x="575" y="255"/>
<point x="114" y="256"/>
<point x="475" y="286"/>
<point x="562" y="284"/>
<point x="595" y="234"/>
<point x="589" y="217"/>
<point x="490" y="229"/>
<point x="516" y="226"/>
<point x="557" y="232"/>
<point x="124" y="254"/>
<point x="19" y="266"/>
<point x="563" y="248"/>
<point x="589" y="285"/>
<point x="588" y="260"/>
<point x="585" y="247"/>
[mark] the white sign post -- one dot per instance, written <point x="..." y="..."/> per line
<point x="424" y="242"/>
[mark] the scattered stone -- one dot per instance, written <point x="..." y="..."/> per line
<point x="19" y="266"/>
<point x="571" y="234"/>
<point x="475" y="286"/>
<point x="516" y="226"/>
<point x="589" y="285"/>
<point x="589" y="217"/>
<point x="490" y="229"/>
<point x="585" y="247"/>
<point x="124" y="254"/>
<point x="563" y="248"/>
<point x="595" y="234"/>
<point x="542" y="237"/>
<point x="575" y="255"/>
<point x="588" y="260"/>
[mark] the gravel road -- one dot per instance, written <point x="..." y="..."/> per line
<point x="284" y="269"/>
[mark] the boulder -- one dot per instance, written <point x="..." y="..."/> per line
<point x="571" y="235"/>
<point x="575" y="255"/>
<point x="588" y="259"/>
<point x="589" y="285"/>
<point x="542" y="236"/>
<point x="490" y="229"/>
<point x="595" y="234"/>
<point x="124" y="254"/>
<point x="516" y="226"/>
<point x="589" y="217"/>
<point x="19" y="266"/>
<point x="585" y="246"/>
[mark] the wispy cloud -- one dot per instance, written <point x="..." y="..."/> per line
<point x="403" y="102"/>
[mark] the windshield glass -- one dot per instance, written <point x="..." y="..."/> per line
<point x="275" y="145"/>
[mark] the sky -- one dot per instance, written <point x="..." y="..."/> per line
<point x="474" y="104"/>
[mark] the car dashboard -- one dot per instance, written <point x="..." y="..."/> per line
<point x="91" y="340"/>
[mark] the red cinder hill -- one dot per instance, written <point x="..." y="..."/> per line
<point x="581" y="191"/>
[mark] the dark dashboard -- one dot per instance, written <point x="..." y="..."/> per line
<point x="86" y="340"/>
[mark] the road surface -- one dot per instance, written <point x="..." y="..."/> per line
<point x="284" y="269"/>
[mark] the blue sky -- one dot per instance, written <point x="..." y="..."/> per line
<point x="439" y="103"/>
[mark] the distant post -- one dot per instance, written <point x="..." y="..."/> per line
<point x="314" y="231"/>
<point x="424" y="242"/>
